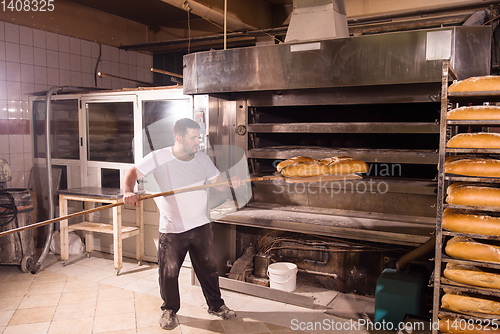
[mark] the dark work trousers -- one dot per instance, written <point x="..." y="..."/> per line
<point x="172" y="250"/>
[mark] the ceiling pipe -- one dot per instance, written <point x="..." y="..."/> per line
<point x="104" y="75"/>
<point x="225" y="24"/>
<point x="421" y="12"/>
<point x="210" y="13"/>
<point x="213" y="38"/>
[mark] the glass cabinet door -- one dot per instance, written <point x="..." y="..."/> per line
<point x="110" y="131"/>
<point x="64" y="137"/>
<point x="158" y="119"/>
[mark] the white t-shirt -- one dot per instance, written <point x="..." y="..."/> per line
<point x="184" y="211"/>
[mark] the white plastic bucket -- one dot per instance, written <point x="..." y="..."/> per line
<point x="282" y="276"/>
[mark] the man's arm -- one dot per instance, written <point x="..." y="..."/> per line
<point x="129" y="197"/>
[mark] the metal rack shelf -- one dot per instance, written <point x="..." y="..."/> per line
<point x="346" y="127"/>
<point x="474" y="150"/>
<point x="379" y="155"/>
<point x="449" y="284"/>
<point x="472" y="208"/>
<point x="492" y="265"/>
<point x="469" y="235"/>
<point x="464" y="178"/>
<point x="479" y="96"/>
<point x="482" y="316"/>
<point x="494" y="122"/>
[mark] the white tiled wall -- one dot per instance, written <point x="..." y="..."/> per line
<point x="33" y="60"/>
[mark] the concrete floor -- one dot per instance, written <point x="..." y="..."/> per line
<point x="86" y="296"/>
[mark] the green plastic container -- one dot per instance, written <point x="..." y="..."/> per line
<point x="397" y="294"/>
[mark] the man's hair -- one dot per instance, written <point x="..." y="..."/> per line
<point x="181" y="126"/>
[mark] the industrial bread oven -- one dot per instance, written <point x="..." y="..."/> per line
<point x="374" y="98"/>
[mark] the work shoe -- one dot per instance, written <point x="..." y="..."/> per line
<point x="168" y="320"/>
<point x="224" y="312"/>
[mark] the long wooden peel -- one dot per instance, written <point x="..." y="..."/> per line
<point x="183" y="190"/>
<point x="140" y="198"/>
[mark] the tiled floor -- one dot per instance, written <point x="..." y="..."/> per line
<point x="86" y="296"/>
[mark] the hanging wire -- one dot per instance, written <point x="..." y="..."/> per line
<point x="189" y="30"/>
<point x="97" y="65"/>
<point x="263" y="237"/>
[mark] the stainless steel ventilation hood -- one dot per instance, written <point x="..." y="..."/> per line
<point x="317" y="20"/>
<point x="392" y="58"/>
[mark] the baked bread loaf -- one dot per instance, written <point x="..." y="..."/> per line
<point x="455" y="221"/>
<point x="471" y="275"/>
<point x="451" y="158"/>
<point x="485" y="167"/>
<point x="474" y="113"/>
<point x="305" y="169"/>
<point x="475" y="140"/>
<point x="471" y="195"/>
<point x="291" y="161"/>
<point x="468" y="249"/>
<point x="452" y="187"/>
<point x="341" y="165"/>
<point x="452" y="325"/>
<point x="467" y="304"/>
<point x="476" y="84"/>
<point x="328" y="161"/>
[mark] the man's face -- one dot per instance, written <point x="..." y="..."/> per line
<point x="190" y="142"/>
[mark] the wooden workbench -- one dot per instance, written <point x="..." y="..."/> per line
<point x="89" y="196"/>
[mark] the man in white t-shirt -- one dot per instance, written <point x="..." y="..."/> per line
<point x="184" y="225"/>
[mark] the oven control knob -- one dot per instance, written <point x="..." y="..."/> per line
<point x="241" y="130"/>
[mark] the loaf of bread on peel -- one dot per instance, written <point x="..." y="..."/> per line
<point x="475" y="113"/>
<point x="474" y="140"/>
<point x="474" y="195"/>
<point x="452" y="325"/>
<point x="341" y="165"/>
<point x="471" y="275"/>
<point x="294" y="160"/>
<point x="482" y="167"/>
<point x="467" y="304"/>
<point x="469" y="249"/>
<point x="305" y="169"/>
<point x="456" y="221"/>
<point x="476" y="84"/>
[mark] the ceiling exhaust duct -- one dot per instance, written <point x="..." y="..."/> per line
<point x="313" y="20"/>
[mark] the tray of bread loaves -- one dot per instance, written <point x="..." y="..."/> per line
<point x="474" y="305"/>
<point x="480" y="86"/>
<point x="306" y="169"/>
<point x="459" y="287"/>
<point x="472" y="168"/>
<point x="474" y="115"/>
<point x="473" y="196"/>
<point x="475" y="142"/>
<point x="470" y="278"/>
